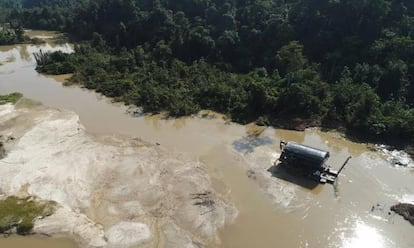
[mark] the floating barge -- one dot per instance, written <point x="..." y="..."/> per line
<point x="308" y="161"/>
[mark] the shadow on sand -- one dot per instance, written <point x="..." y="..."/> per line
<point x="282" y="172"/>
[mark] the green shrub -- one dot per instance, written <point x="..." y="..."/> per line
<point x="20" y="213"/>
<point x="10" y="98"/>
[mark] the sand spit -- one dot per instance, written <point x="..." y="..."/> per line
<point x="111" y="191"/>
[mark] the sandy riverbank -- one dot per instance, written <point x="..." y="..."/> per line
<point x="111" y="191"/>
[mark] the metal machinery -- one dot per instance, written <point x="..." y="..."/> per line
<point x="308" y="161"/>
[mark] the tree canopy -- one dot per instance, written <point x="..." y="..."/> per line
<point x="346" y="63"/>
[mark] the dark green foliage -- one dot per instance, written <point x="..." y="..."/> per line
<point x="10" y="35"/>
<point x="345" y="63"/>
<point x="47" y="3"/>
<point x="9" y="4"/>
<point x="6" y="6"/>
<point x="54" y="63"/>
<point x="40" y="14"/>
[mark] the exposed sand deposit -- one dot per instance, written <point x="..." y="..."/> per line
<point x="111" y="191"/>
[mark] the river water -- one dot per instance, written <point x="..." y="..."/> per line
<point x="353" y="213"/>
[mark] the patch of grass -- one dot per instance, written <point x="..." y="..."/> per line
<point x="10" y="98"/>
<point x="20" y="213"/>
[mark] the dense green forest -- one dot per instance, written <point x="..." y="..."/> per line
<point x="342" y="63"/>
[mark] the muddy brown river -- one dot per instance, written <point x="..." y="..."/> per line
<point x="283" y="212"/>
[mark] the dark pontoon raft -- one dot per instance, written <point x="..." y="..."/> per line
<point x="308" y="161"/>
